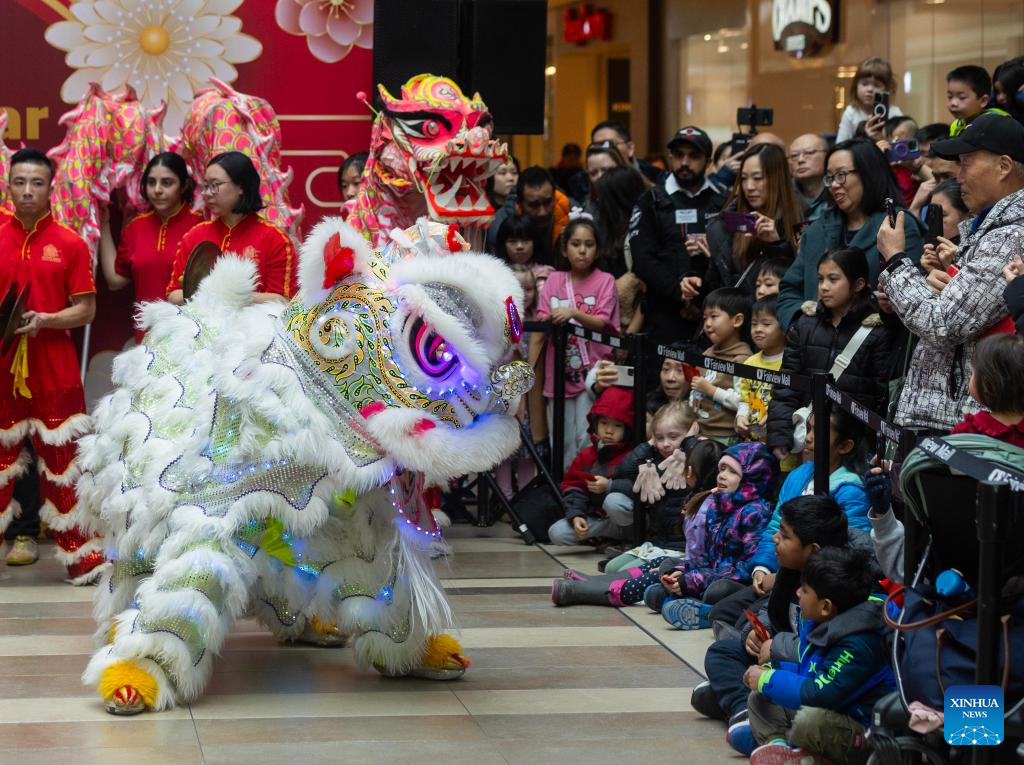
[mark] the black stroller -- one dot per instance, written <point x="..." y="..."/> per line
<point x="953" y="520"/>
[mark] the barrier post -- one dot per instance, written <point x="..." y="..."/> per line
<point x="914" y="532"/>
<point x="638" y="350"/>
<point x="993" y="504"/>
<point x="822" y="407"/>
<point x="560" y="338"/>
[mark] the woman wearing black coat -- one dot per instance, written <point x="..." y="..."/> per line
<point x="821" y="333"/>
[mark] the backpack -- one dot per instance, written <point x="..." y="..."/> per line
<point x="936" y="640"/>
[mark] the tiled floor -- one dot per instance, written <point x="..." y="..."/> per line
<point x="572" y="685"/>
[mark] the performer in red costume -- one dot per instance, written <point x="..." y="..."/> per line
<point x="149" y="243"/>
<point x="232" y="194"/>
<point x="5" y="215"/>
<point x="41" y="395"/>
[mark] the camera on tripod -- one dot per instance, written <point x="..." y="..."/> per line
<point x="749" y="116"/>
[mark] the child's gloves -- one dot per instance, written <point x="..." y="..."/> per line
<point x="674" y="471"/>
<point x="879" y="488"/>
<point x="648" y="484"/>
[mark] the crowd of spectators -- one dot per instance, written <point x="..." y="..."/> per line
<point x="895" y="273"/>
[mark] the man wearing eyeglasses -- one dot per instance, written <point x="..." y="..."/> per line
<point x="664" y="232"/>
<point x="807" y="164"/>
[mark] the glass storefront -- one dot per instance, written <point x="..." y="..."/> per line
<point x="711" y="57"/>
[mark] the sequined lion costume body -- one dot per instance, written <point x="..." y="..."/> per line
<point x="431" y="153"/>
<point x="279" y="459"/>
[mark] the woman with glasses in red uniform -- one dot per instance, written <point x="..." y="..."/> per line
<point x="231" y="191"/>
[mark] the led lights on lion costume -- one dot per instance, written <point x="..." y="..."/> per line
<point x="431" y="153"/>
<point x="275" y="458"/>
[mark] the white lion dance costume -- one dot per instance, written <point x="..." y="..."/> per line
<point x="273" y="459"/>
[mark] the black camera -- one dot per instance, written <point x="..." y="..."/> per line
<point x="753" y="116"/>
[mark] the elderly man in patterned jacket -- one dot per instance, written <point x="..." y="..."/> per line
<point x="950" y="311"/>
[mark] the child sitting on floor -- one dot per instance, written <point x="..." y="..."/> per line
<point x="736" y="515"/>
<point x="819" y="705"/>
<point x="807" y="524"/>
<point x="674" y="524"/>
<point x="590" y="512"/>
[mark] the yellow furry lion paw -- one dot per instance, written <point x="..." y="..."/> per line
<point x="442" y="659"/>
<point x="127" y="689"/>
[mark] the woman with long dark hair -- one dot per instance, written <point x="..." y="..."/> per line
<point x="145" y="254"/>
<point x="763" y="188"/>
<point x="859" y="181"/>
<point x="231" y="190"/>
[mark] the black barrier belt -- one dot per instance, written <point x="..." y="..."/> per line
<point x="969" y="464"/>
<point x="785" y="379"/>
<point x="873" y="420"/>
<point x="601" y="338"/>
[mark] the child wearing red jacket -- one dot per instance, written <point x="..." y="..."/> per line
<point x="590" y="512"/>
<point x="996" y="371"/>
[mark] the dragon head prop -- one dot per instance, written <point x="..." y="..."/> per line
<point x="431" y="152"/>
<point x="222" y="119"/>
<point x="109" y="139"/>
<point x="415" y="337"/>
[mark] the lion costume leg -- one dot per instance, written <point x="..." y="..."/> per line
<point x="386" y="593"/>
<point x="161" y="650"/>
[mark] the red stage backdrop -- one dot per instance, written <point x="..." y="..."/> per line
<point x="308" y="58"/>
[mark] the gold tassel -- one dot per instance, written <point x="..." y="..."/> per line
<point x="19" y="368"/>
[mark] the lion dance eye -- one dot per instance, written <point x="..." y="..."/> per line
<point x="431" y="129"/>
<point x="515" y="322"/>
<point x="431" y="352"/>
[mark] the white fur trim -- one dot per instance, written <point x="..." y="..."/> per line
<point x="76" y="518"/>
<point x="443" y="451"/>
<point x="70" y="558"/>
<point x="92" y="576"/>
<point x="68" y="477"/>
<point x="16" y="433"/>
<point x="482" y="278"/>
<point x="9" y="513"/>
<point x="74" y="426"/>
<point x="232" y="282"/>
<point x="809" y="307"/>
<point x="311" y="257"/>
<point x="16" y="469"/>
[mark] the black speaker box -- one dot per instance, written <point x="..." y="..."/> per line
<point x="494" y="47"/>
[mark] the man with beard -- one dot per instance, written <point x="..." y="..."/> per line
<point x="664" y="232"/>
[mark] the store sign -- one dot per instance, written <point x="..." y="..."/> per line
<point x="585" y="23"/>
<point x="804" y="27"/>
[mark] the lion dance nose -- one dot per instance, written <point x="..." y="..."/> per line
<point x="510" y="381"/>
<point x="477" y="138"/>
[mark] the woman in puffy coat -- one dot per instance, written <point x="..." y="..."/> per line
<point x="821" y="333"/>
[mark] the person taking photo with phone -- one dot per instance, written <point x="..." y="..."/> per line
<point x="949" y="323"/>
<point x="874" y="75"/>
<point x="759" y="221"/>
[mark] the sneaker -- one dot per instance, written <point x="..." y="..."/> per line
<point x="703" y="700"/>
<point x="740" y="736"/>
<point x="654" y="596"/>
<point x="601" y="564"/>
<point x="686" y="614"/>
<point x="25" y="552"/>
<point x="783" y="754"/>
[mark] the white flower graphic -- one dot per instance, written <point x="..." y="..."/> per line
<point x="165" y="49"/>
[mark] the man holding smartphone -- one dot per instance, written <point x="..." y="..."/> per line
<point x="667" y="231"/>
<point x="950" y="317"/>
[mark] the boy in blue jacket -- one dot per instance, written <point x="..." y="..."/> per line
<point x="820" y="706"/>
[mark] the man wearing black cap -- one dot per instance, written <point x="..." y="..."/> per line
<point x="666" y="223"/>
<point x="955" y="311"/>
